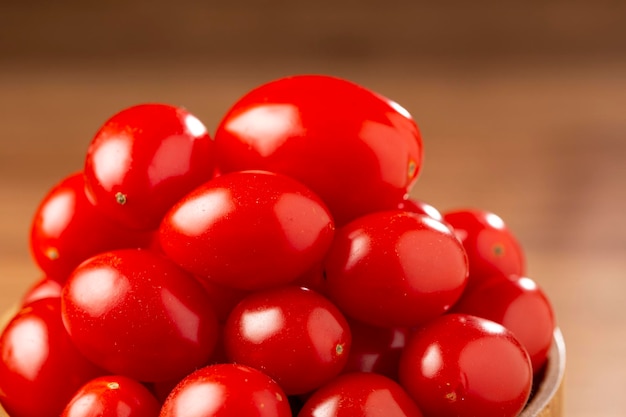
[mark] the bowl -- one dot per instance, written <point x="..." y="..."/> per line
<point x="546" y="400"/>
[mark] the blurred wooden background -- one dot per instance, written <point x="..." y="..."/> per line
<point x="522" y="108"/>
<point x="349" y="30"/>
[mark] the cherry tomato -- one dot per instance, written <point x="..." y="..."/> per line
<point x="112" y="396"/>
<point x="460" y="366"/>
<point x="395" y="269"/>
<point x="360" y="395"/>
<point x="144" y="159"/>
<point x="67" y="229"/>
<point x="490" y="246"/>
<point x="518" y="304"/>
<point x="294" y="335"/>
<point x="44" y="288"/>
<point x="227" y="390"/>
<point x="137" y="314"/>
<point x="376" y="349"/>
<point x="248" y="230"/>
<point x="414" y="205"/>
<point x="40" y="369"/>
<point x="356" y="149"/>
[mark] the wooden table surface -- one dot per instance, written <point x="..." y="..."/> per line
<point x="544" y="146"/>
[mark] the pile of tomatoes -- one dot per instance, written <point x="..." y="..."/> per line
<point x="277" y="267"/>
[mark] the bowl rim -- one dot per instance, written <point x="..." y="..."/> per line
<point x="552" y="380"/>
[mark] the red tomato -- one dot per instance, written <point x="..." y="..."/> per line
<point x="518" y="304"/>
<point x="414" y="205"/>
<point x="40" y="369"/>
<point x="144" y="159"/>
<point x="395" y="269"/>
<point x="112" y="396"/>
<point x="227" y="390"/>
<point x="44" y="288"/>
<point x="67" y="229"/>
<point x="376" y="349"/>
<point x="465" y="366"/>
<point x="358" y="150"/>
<point x="248" y="230"/>
<point x="490" y="246"/>
<point x="360" y="395"/>
<point x="292" y="334"/>
<point x="137" y="314"/>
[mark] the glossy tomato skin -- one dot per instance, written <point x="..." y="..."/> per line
<point x="376" y="349"/>
<point x="144" y="159"/>
<point x="67" y="229"/>
<point x="356" y="149"/>
<point x="136" y="314"/>
<point x="293" y="334"/>
<point x="460" y="366"/>
<point x="415" y="205"/>
<point x="248" y="230"/>
<point x="360" y="395"/>
<point x="40" y="369"/>
<point x="490" y="245"/>
<point x="518" y="304"/>
<point x="43" y="288"/>
<point x="395" y="269"/>
<point x="112" y="396"/>
<point x="227" y="390"/>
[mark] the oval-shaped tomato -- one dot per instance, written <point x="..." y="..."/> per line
<point x="395" y="269"/>
<point x="459" y="365"/>
<point x="144" y="159"/>
<point x="137" y="314"/>
<point x="518" y="304"/>
<point x="491" y="247"/>
<point x="67" y="229"/>
<point x="227" y="390"/>
<point x="360" y="394"/>
<point x="293" y="334"/>
<point x="248" y="230"/>
<point x="358" y="150"/>
<point x="112" y="396"/>
<point x="40" y="368"/>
